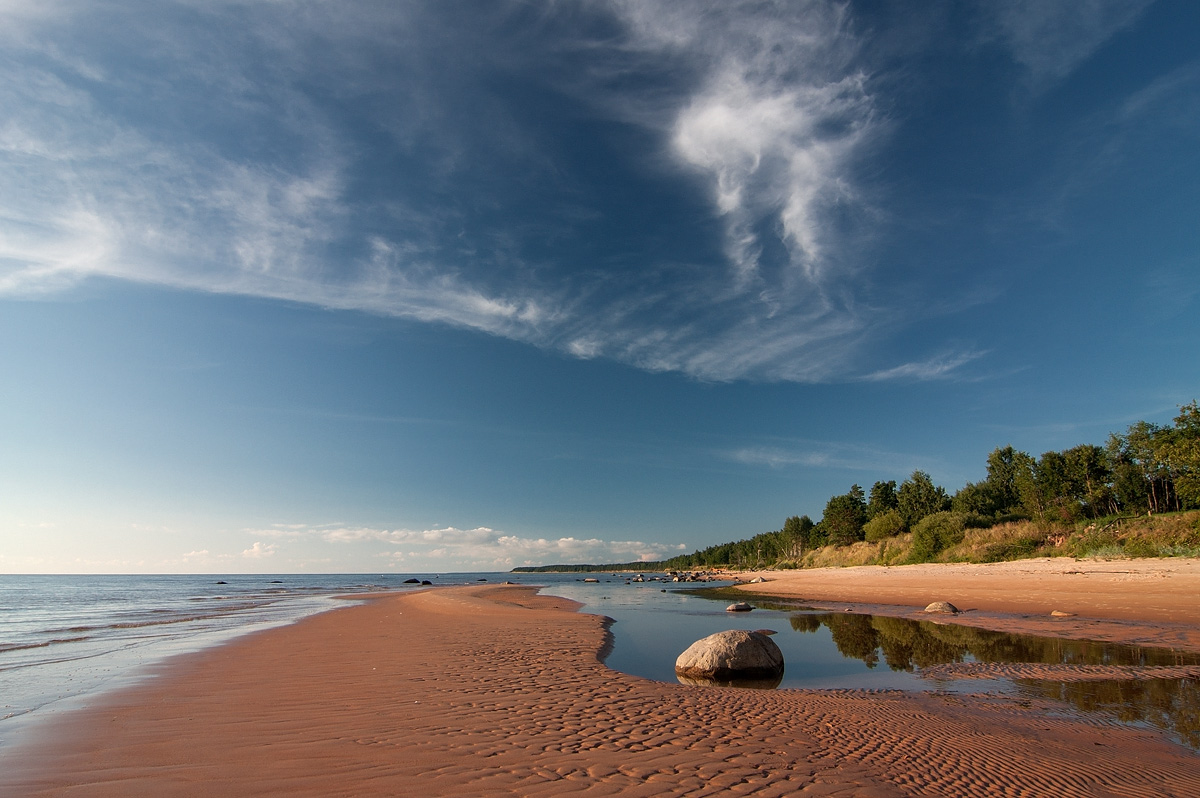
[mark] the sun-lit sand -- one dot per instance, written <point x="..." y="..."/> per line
<point x="1148" y="602"/>
<point x="493" y="691"/>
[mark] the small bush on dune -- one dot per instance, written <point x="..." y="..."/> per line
<point x="937" y="532"/>
<point x="883" y="526"/>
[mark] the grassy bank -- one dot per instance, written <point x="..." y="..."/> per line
<point x="960" y="538"/>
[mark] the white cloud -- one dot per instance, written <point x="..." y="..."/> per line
<point x="777" y="152"/>
<point x="824" y="455"/>
<point x="250" y="181"/>
<point x="1051" y="38"/>
<point x="775" y="458"/>
<point x="260" y="550"/>
<point x="480" y="548"/>
<point x="941" y="367"/>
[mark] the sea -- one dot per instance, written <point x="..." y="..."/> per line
<point x="67" y="640"/>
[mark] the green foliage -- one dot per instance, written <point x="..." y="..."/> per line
<point x="979" y="498"/>
<point x="882" y="498"/>
<point x="844" y="517"/>
<point x="1146" y="470"/>
<point x="799" y="535"/>
<point x="1184" y="454"/>
<point x="935" y="533"/>
<point x="918" y="497"/>
<point x="1157" y="469"/>
<point x="1005" y="466"/>
<point x="883" y="526"/>
<point x="1015" y="549"/>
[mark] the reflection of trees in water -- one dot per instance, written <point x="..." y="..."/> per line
<point x="907" y="643"/>
<point x="1172" y="705"/>
<point x="1169" y="704"/>
<point x="854" y="637"/>
<point x="805" y="622"/>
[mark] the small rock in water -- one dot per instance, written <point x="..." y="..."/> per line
<point x="942" y="606"/>
<point x="739" y="606"/>
<point x="1061" y="614"/>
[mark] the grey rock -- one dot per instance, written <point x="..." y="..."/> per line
<point x="733" y="654"/>
<point x="739" y="606"/>
<point x="943" y="607"/>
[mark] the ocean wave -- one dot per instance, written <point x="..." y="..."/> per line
<point x="7" y="647"/>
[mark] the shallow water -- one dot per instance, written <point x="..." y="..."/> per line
<point x="851" y="650"/>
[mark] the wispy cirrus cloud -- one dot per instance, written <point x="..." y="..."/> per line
<point x="941" y="367"/>
<point x="1050" y="38"/>
<point x="823" y="454"/>
<point x="348" y="159"/>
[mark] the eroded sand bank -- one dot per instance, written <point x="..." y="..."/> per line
<point x="492" y="691"/>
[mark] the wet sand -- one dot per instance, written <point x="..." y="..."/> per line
<point x="493" y="691"/>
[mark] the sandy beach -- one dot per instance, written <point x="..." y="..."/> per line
<point x="495" y="691"/>
<point x="1146" y="602"/>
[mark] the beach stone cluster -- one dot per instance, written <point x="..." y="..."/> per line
<point x="731" y="655"/>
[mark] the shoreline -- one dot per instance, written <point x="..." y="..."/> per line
<point x="494" y="690"/>
<point x="1141" y="602"/>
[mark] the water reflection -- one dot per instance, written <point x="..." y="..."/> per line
<point x="1172" y="705"/>
<point x="906" y="644"/>
<point x="767" y="683"/>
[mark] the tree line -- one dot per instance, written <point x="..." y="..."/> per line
<point x="1148" y="469"/>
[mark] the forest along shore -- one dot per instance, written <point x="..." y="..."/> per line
<point x="494" y="690"/>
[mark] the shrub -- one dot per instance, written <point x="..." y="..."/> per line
<point x="883" y="526"/>
<point x="936" y="532"/>
<point x="1140" y="547"/>
<point x="1015" y="549"/>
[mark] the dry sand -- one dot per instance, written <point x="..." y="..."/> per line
<point x="493" y="691"/>
<point x="1147" y="602"/>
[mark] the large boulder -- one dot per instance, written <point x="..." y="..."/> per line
<point x="942" y="607"/>
<point x="731" y="655"/>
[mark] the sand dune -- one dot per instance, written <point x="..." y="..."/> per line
<point x="493" y="691"/>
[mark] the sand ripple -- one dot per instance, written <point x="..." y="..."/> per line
<point x="449" y="692"/>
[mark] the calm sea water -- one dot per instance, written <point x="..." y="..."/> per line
<point x="66" y="639"/>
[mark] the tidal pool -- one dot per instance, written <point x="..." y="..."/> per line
<point x="654" y="623"/>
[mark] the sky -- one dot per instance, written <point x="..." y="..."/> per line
<point x="434" y="286"/>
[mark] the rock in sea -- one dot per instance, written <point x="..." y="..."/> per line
<point x="739" y="606"/>
<point x="731" y="655"/>
<point x="942" y="606"/>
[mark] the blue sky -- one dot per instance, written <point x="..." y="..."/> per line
<point x="437" y="286"/>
